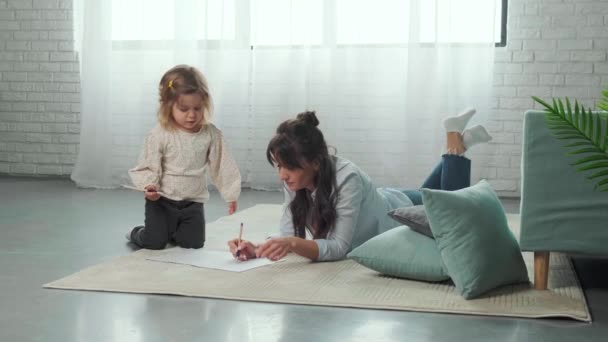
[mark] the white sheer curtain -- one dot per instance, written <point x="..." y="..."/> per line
<point x="381" y="75"/>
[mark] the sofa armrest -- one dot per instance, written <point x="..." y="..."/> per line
<point x="560" y="211"/>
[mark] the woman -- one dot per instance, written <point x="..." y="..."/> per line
<point x="334" y="201"/>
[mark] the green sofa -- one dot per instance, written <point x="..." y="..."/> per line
<point x="560" y="211"/>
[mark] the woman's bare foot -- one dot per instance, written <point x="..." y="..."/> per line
<point x="455" y="144"/>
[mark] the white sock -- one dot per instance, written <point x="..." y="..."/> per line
<point x="475" y="135"/>
<point x="459" y="122"/>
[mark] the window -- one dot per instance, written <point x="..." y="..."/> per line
<point x="462" y="23"/>
<point x="372" y="22"/>
<point x="312" y="22"/>
<point x="160" y="19"/>
<point x="280" y="22"/>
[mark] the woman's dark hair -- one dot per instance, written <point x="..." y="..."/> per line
<point x="299" y="141"/>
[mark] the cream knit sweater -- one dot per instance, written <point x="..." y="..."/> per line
<point x="178" y="162"/>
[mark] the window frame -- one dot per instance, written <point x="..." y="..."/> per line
<point x="503" y="25"/>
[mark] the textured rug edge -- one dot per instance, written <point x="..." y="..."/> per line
<point x="309" y="303"/>
<point x="589" y="318"/>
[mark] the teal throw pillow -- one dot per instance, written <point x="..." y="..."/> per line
<point x="402" y="252"/>
<point x="470" y="227"/>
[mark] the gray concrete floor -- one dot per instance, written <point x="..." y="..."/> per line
<point x="50" y="229"/>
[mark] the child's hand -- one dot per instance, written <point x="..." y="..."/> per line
<point x="231" y="207"/>
<point x="151" y="193"/>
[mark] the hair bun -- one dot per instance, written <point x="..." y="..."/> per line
<point x="309" y="118"/>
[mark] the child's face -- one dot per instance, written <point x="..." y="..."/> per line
<point x="188" y="112"/>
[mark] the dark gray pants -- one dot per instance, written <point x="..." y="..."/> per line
<point x="181" y="222"/>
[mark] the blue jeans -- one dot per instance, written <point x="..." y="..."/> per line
<point x="452" y="173"/>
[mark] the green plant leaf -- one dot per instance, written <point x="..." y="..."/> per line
<point x="600" y="183"/>
<point x="561" y="131"/>
<point x="604" y="103"/>
<point x="598" y="130"/>
<point x="541" y="102"/>
<point x="576" y="110"/>
<point x="560" y="108"/>
<point x="606" y="136"/>
<point x="593" y="166"/>
<point x="589" y="124"/>
<point x="568" y="112"/>
<point x="598" y="174"/>
<point x="583" y="126"/>
<point x="559" y="122"/>
<point x="584" y="150"/>
<point x="579" y="143"/>
<point x="561" y="127"/>
<point x="572" y="136"/>
<point x="590" y="158"/>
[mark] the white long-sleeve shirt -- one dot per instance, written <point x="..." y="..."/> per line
<point x="177" y="163"/>
<point x="361" y="212"/>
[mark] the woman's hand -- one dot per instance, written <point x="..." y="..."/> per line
<point x="245" y="248"/>
<point x="231" y="207"/>
<point x="151" y="193"/>
<point x="276" y="249"/>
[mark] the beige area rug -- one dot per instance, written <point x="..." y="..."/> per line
<point x="344" y="283"/>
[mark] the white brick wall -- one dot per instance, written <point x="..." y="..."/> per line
<point x="39" y="88"/>
<point x="555" y="48"/>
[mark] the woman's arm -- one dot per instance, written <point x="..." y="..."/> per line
<point x="275" y="249"/>
<point x="338" y="242"/>
<point x="339" y="239"/>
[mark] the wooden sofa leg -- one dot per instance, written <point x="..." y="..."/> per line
<point x="541" y="270"/>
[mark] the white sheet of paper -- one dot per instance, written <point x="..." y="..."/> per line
<point x="219" y="260"/>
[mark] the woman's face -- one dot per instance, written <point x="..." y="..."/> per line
<point x="299" y="178"/>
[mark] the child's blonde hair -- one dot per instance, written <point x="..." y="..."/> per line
<point x="182" y="80"/>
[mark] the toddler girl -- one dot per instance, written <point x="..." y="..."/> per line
<point x="176" y="157"/>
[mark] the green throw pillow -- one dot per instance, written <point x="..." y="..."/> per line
<point x="476" y="244"/>
<point x="401" y="252"/>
